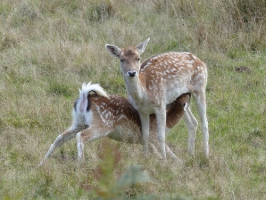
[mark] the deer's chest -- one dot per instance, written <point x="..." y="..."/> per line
<point x="146" y="104"/>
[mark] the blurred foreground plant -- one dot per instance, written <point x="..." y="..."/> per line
<point x="108" y="187"/>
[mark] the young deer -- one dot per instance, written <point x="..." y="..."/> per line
<point x="98" y="115"/>
<point x="158" y="81"/>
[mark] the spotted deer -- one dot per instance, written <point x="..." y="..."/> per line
<point x="158" y="81"/>
<point x="97" y="114"/>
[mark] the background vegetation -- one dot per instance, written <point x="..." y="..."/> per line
<point x="48" y="48"/>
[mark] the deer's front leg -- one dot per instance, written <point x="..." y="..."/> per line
<point x="145" y="124"/>
<point x="161" y="124"/>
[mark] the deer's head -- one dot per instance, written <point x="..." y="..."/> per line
<point x="129" y="57"/>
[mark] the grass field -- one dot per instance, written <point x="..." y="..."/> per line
<point x="49" y="48"/>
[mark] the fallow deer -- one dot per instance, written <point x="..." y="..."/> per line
<point x="158" y="81"/>
<point x="97" y="114"/>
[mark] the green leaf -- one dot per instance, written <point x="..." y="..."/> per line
<point x="134" y="174"/>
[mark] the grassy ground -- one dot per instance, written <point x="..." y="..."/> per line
<point x="48" y="48"/>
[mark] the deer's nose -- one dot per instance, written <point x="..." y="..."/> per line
<point x="131" y="73"/>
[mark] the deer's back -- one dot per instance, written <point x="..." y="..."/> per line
<point x="172" y="74"/>
<point x="117" y="115"/>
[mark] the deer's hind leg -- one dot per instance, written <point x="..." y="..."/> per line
<point x="61" y="139"/>
<point x="192" y="125"/>
<point x="89" y="134"/>
<point x="154" y="150"/>
<point x="172" y="154"/>
<point x="200" y="99"/>
<point x="168" y="150"/>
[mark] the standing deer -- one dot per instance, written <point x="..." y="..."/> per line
<point x="158" y="81"/>
<point x="102" y="115"/>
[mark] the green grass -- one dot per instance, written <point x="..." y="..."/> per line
<point x="49" y="48"/>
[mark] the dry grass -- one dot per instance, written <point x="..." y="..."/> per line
<point x="48" y="48"/>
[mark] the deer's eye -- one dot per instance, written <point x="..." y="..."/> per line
<point x="121" y="60"/>
<point x="138" y="59"/>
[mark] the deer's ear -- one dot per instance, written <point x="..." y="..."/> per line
<point x="113" y="50"/>
<point x="142" y="46"/>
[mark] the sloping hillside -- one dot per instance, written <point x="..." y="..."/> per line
<point x="49" y="48"/>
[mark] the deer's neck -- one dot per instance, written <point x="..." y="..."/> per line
<point x="135" y="87"/>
